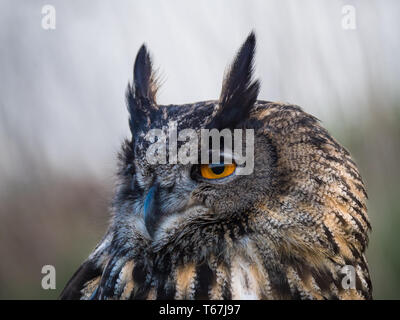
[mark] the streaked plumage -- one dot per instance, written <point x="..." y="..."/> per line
<point x="283" y="232"/>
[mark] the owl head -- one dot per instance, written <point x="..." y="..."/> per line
<point x="190" y="230"/>
<point x="165" y="193"/>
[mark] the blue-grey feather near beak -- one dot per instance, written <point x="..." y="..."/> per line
<point x="151" y="209"/>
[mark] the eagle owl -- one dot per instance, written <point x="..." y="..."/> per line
<point x="285" y="231"/>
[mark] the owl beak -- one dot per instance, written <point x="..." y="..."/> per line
<point x="151" y="210"/>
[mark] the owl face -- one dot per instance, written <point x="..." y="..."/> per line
<point x="202" y="230"/>
<point x="174" y="190"/>
<point x="169" y="196"/>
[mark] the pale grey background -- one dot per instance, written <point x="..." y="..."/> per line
<point x="63" y="115"/>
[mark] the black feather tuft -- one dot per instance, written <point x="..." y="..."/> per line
<point x="239" y="91"/>
<point x="141" y="95"/>
<point x="86" y="272"/>
<point x="145" y="79"/>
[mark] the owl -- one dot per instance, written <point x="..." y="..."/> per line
<point x="296" y="227"/>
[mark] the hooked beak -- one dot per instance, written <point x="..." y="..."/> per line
<point x="151" y="209"/>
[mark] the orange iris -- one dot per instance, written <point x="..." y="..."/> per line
<point x="217" y="171"/>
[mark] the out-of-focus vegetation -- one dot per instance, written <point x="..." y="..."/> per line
<point x="55" y="221"/>
<point x="375" y="145"/>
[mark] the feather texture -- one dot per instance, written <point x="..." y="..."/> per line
<point x="287" y="231"/>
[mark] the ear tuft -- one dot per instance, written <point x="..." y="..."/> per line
<point x="145" y="79"/>
<point x="141" y="95"/>
<point x="239" y="91"/>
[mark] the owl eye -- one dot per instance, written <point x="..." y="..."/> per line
<point x="217" y="171"/>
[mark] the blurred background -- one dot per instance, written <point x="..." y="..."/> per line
<point x="63" y="115"/>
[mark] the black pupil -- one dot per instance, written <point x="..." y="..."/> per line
<point x="217" y="168"/>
